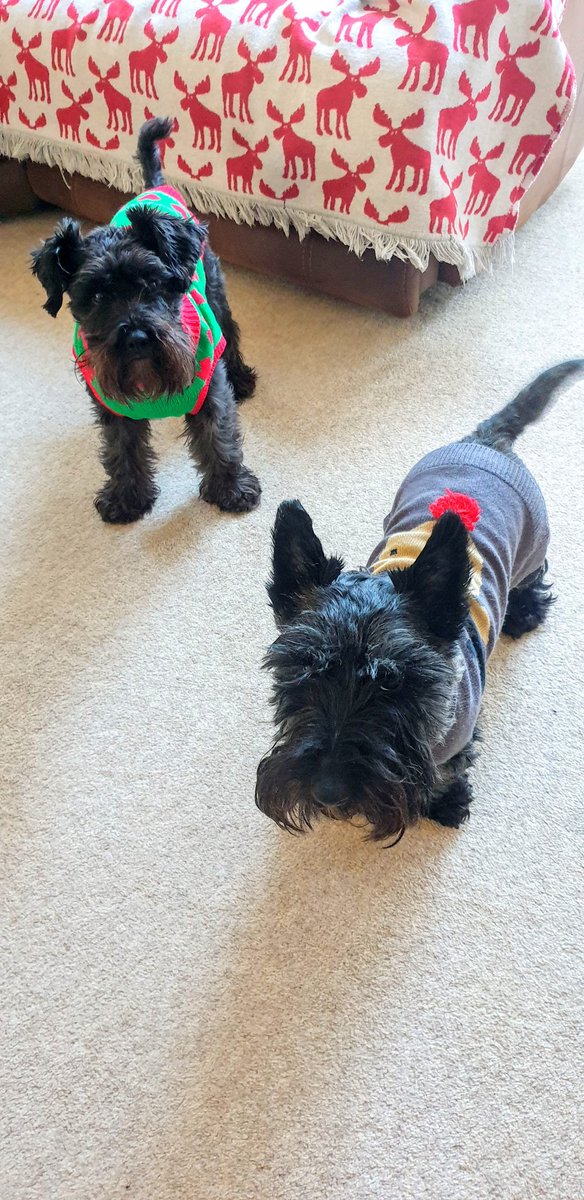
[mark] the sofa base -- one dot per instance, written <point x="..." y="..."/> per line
<point x="325" y="266"/>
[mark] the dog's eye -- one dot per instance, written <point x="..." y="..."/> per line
<point x="388" y="676"/>
<point x="97" y="297"/>
<point x="175" y="283"/>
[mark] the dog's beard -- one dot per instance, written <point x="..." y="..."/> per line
<point x="389" y="802"/>
<point x="166" y="370"/>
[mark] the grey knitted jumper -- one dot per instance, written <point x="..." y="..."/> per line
<point x="508" y="543"/>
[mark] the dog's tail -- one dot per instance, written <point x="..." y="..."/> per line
<point x="152" y="132"/>
<point x="501" y="430"/>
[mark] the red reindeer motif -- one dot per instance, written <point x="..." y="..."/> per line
<point x="111" y="144"/>
<point x="513" y="84"/>
<point x="203" y="118"/>
<point x="202" y="173"/>
<point x="166" y="143"/>
<point x="364" y="23"/>
<point x="244" y="165"/>
<point x="166" y="8"/>
<point x="4" y="6"/>
<point x="215" y="25"/>
<point x="452" y="121"/>
<point x="422" y="52"/>
<point x="566" y="84"/>
<point x="445" y="209"/>
<point x="63" y="40"/>
<point x="507" y="221"/>
<point x="36" y="72"/>
<point x="404" y="153"/>
<point x="143" y="63"/>
<point x="499" y="225"/>
<point x="343" y="188"/>
<point x="38" y="124"/>
<point x="340" y="96"/>
<point x="545" y="21"/>
<point x="395" y="218"/>
<point x="119" y="107"/>
<point x="295" y="148"/>
<point x="49" y="12"/>
<point x="7" y="96"/>
<point x="535" y="146"/>
<point x="242" y="82"/>
<point x="300" y="48"/>
<point x="289" y="193"/>
<point x="478" y="15"/>
<point x="485" y="185"/>
<point x="119" y="11"/>
<point x="70" y="118"/>
<point x="260" y="12"/>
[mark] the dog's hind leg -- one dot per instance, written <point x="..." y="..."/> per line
<point x="129" y="460"/>
<point x="214" y="440"/>
<point x="241" y="377"/>
<point x="528" y="604"/>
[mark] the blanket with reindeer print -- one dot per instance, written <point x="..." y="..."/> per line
<point x="402" y="125"/>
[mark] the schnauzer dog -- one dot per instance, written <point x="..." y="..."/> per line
<point x="154" y="337"/>
<point x="378" y="673"/>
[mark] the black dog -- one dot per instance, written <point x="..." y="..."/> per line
<point x="127" y="289"/>
<point x="378" y="673"/>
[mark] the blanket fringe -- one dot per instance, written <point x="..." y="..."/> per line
<point x="470" y="260"/>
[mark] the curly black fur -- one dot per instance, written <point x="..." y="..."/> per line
<point x="125" y="288"/>
<point x="214" y="440"/>
<point x="528" y="605"/>
<point x="129" y="461"/>
<point x="365" y="669"/>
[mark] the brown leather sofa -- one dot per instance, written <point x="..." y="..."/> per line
<point x="326" y="266"/>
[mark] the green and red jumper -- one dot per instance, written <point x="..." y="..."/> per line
<point x="197" y="317"/>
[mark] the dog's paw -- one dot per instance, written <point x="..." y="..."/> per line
<point x="451" y="808"/>
<point x="243" y="382"/>
<point x="527" y="609"/>
<point x="117" y="508"/>
<point x="232" y="492"/>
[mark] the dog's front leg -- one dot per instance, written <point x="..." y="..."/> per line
<point x="214" y="439"/>
<point x="451" y="807"/>
<point x="129" y="461"/>
<point x="449" y="804"/>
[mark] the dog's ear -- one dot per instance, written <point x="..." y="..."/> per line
<point x="439" y="578"/>
<point x="178" y="244"/>
<point x="298" y="562"/>
<point x="56" y="263"/>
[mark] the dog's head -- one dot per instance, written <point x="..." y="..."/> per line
<point x="125" y="288"/>
<point x="365" y="675"/>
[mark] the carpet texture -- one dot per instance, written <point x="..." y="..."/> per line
<point x="195" y="1005"/>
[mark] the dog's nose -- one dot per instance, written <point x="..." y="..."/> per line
<point x="137" y="341"/>
<point x="328" y="789"/>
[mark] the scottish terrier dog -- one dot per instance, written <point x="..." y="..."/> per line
<point x="154" y="337"/>
<point x="379" y="673"/>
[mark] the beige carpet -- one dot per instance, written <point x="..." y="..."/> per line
<point x="197" y="1006"/>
